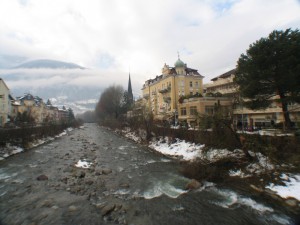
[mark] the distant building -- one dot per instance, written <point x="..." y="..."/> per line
<point x="34" y="109"/>
<point x="5" y="103"/>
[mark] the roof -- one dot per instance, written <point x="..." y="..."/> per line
<point x="179" y="63"/>
<point x="4" y="83"/>
<point x="225" y="75"/>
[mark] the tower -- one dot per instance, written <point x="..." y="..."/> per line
<point x="129" y="90"/>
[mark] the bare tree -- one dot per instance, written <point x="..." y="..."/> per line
<point x="110" y="102"/>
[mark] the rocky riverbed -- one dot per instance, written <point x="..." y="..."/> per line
<point x="93" y="176"/>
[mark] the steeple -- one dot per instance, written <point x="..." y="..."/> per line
<point x="129" y="90"/>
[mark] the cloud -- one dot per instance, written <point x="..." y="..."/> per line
<point x="116" y="35"/>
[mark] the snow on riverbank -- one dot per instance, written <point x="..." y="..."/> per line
<point x="10" y="150"/>
<point x="291" y="188"/>
<point x="179" y="148"/>
<point x="191" y="151"/>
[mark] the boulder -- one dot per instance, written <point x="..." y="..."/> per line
<point x="72" y="208"/>
<point x="291" y="202"/>
<point x="107" y="209"/>
<point x="106" y="171"/>
<point x="42" y="177"/>
<point x="193" y="184"/>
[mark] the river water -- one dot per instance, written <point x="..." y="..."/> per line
<point x="125" y="183"/>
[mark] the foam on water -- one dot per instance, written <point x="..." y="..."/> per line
<point x="177" y="208"/>
<point x="165" y="160"/>
<point x="171" y="186"/>
<point x="122" y="147"/>
<point x="232" y="199"/>
<point x="280" y="219"/>
<point x="83" y="164"/>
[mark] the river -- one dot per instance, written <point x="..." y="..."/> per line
<point x="124" y="183"/>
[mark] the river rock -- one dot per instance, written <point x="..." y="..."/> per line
<point x="80" y="174"/>
<point x="72" y="208"/>
<point x="106" y="171"/>
<point x="272" y="194"/>
<point x="193" y="184"/>
<point x="107" y="209"/>
<point x="42" y="177"/>
<point x="258" y="189"/>
<point x="89" y="182"/>
<point x="291" y="202"/>
<point x="124" y="185"/>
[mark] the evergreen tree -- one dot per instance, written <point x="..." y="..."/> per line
<point x="71" y="115"/>
<point x="270" y="68"/>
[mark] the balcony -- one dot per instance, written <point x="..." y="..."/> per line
<point x="165" y="90"/>
<point x="167" y="99"/>
<point x="146" y="96"/>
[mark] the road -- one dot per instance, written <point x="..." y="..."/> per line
<point x="125" y="183"/>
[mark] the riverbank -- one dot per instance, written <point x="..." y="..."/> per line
<point x="10" y="149"/>
<point x="261" y="175"/>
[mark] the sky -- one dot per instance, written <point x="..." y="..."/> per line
<point x="115" y="37"/>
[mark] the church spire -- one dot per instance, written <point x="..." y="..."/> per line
<point x="129" y="90"/>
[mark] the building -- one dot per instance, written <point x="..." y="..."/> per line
<point x="5" y="103"/>
<point x="245" y="118"/>
<point x="191" y="108"/>
<point x="223" y="84"/>
<point x="161" y="94"/>
<point x="33" y="109"/>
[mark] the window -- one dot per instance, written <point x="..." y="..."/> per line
<point x="191" y="93"/>
<point x="193" y="110"/>
<point x="196" y="84"/>
<point x="209" y="110"/>
<point x="181" y="83"/>
<point x="183" y="111"/>
<point x="191" y="84"/>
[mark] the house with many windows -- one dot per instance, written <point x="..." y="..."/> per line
<point x="245" y="118"/>
<point x="177" y="95"/>
<point x="163" y="92"/>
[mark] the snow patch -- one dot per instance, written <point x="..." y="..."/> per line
<point x="291" y="188"/>
<point x="238" y="173"/>
<point x="186" y="150"/>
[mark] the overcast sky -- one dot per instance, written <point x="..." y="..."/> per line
<point x="115" y="36"/>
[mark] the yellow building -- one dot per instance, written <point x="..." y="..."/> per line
<point x="190" y="109"/>
<point x="162" y="93"/>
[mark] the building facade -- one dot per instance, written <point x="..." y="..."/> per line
<point x="223" y="84"/>
<point x="161" y="94"/>
<point x="5" y="103"/>
<point x="245" y="118"/>
<point x="190" y="109"/>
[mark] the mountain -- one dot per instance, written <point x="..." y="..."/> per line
<point x="49" y="64"/>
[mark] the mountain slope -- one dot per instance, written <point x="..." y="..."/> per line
<point x="47" y="63"/>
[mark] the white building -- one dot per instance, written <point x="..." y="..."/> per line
<point x="5" y="103"/>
